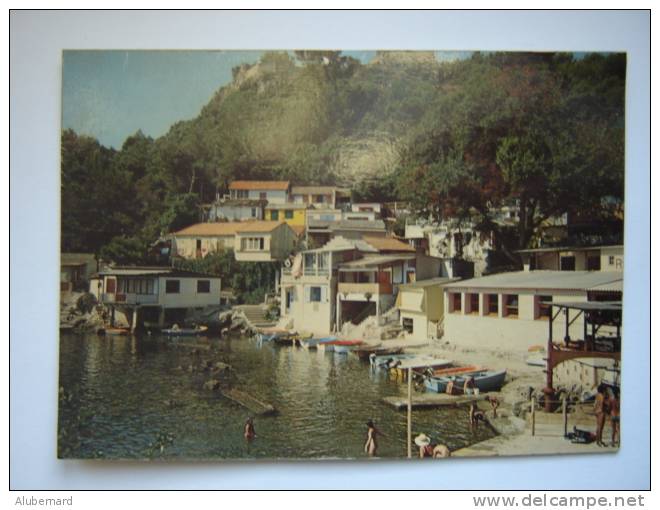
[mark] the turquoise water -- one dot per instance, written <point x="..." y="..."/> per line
<point x="134" y="397"/>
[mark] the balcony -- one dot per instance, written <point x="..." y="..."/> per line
<point x="130" y="299"/>
<point x="362" y="288"/>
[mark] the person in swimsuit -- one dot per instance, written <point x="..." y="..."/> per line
<point x="494" y="403"/>
<point x="371" y="445"/>
<point x="248" y="431"/>
<point x="469" y="386"/>
<point x="615" y="418"/>
<point x="475" y="416"/>
<point x="600" y="409"/>
<point x="429" y="450"/>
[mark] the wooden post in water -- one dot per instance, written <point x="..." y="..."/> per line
<point x="564" y="412"/>
<point x="409" y="413"/>
<point x="533" y="405"/>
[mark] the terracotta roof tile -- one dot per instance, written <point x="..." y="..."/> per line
<point x="260" y="185"/>
<point x="387" y="244"/>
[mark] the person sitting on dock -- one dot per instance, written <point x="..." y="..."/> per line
<point x="475" y="416"/>
<point x="430" y="450"/>
<point x="248" y="430"/>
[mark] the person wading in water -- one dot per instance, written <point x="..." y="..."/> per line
<point x="248" y="431"/>
<point x="371" y="446"/>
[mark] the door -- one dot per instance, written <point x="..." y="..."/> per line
<point x="111" y="286"/>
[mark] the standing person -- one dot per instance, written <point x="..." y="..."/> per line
<point x="600" y="409"/>
<point x="248" y="431"/>
<point x="494" y="403"/>
<point x="615" y="417"/>
<point x="371" y="445"/>
<point x="469" y="386"/>
<point x="475" y="415"/>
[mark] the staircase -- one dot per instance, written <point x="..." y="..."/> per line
<point x="256" y="315"/>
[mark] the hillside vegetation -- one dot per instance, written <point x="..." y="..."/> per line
<point x="451" y="138"/>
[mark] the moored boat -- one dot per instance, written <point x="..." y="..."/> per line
<point x="114" y="331"/>
<point x="485" y="380"/>
<point x="185" y="331"/>
<point x="363" y="352"/>
<point x="344" y="346"/>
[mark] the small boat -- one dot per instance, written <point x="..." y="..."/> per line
<point x="185" y="331"/>
<point x="486" y="380"/>
<point x="456" y="370"/>
<point x="536" y="361"/>
<point x="363" y="352"/>
<point x="270" y="334"/>
<point x="343" y="346"/>
<point x="116" y="331"/>
<point x="386" y="360"/>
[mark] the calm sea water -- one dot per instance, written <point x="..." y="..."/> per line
<point x="133" y="397"/>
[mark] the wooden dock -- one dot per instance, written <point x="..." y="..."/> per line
<point x="255" y="405"/>
<point x="429" y="400"/>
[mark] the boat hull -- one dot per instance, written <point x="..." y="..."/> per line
<point x="484" y="381"/>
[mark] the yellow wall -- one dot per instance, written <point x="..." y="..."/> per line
<point x="297" y="220"/>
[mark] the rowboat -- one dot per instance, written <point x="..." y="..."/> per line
<point x="270" y="334"/>
<point x="486" y="380"/>
<point x="185" y="331"/>
<point x="343" y="346"/>
<point x="405" y="361"/>
<point x="363" y="352"/>
<point x="116" y="331"/>
<point x="313" y="342"/>
<point x="455" y="370"/>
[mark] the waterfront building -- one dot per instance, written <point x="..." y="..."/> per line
<point x="510" y="310"/>
<point x="274" y="192"/>
<point x="348" y="280"/>
<point x="421" y="308"/>
<point x="76" y="270"/>
<point x="156" y="296"/>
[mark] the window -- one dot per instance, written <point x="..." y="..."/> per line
<point x="543" y="309"/>
<point x="274" y="215"/>
<point x="610" y="260"/>
<point x="242" y="193"/>
<point x="198" y="244"/>
<point x="315" y="294"/>
<point x="263" y="195"/>
<point x="172" y="286"/>
<point x="511" y="305"/>
<point x="493" y="305"/>
<point x="253" y="212"/>
<point x="593" y="263"/>
<point x="456" y="302"/>
<point x="567" y="263"/>
<point x="474" y="303"/>
<point x="203" y="286"/>
<point x="252" y="243"/>
<point x="288" y="214"/>
<point x="407" y="324"/>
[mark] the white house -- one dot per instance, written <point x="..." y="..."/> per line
<point x="592" y="258"/>
<point x="252" y="241"/>
<point x="76" y="270"/>
<point x="157" y="295"/>
<point x="510" y="310"/>
<point x="274" y="192"/>
<point x="235" y="210"/>
<point x="421" y="308"/>
<point x="319" y="197"/>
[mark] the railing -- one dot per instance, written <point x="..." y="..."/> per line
<point x="363" y="288"/>
<point x="130" y="299"/>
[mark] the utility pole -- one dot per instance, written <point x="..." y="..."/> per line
<point x="409" y="413"/>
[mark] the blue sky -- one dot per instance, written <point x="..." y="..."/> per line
<point x="112" y="94"/>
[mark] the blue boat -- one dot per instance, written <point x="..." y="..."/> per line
<point x="484" y="380"/>
<point x="313" y="343"/>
